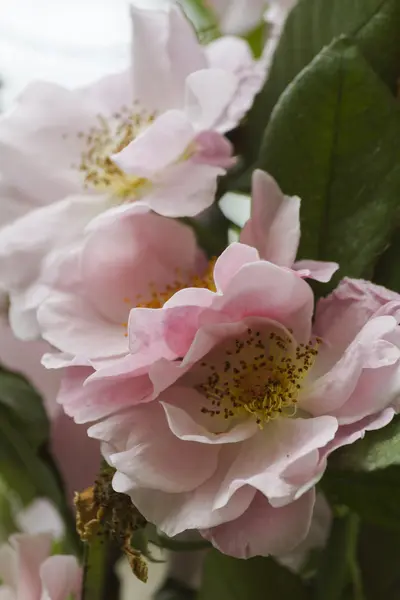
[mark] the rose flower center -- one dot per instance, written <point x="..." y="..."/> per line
<point x="259" y="378"/>
<point x="108" y="137"/>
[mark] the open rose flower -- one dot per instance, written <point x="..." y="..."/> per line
<point x="271" y="223"/>
<point x="142" y="259"/>
<point x="151" y="135"/>
<point x="28" y="572"/>
<point x="138" y="260"/>
<point x="242" y="404"/>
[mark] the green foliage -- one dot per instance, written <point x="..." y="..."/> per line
<point x="227" y="578"/>
<point x="203" y="19"/>
<point x="374" y="496"/>
<point x="26" y="468"/>
<point x="373" y="24"/>
<point x="378" y="555"/>
<point x="333" y="140"/>
<point x="338" y="559"/>
<point x="387" y="270"/>
<point x="24" y="407"/>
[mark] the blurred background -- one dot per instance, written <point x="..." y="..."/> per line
<point x="69" y="42"/>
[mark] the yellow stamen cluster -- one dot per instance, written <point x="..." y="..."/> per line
<point x="257" y="378"/>
<point x="108" y="137"/>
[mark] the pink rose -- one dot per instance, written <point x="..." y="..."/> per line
<point x="28" y="572"/>
<point x="138" y="260"/>
<point x="243" y="404"/>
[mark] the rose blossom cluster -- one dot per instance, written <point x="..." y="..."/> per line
<point x="216" y="387"/>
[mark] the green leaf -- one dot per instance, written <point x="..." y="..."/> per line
<point x="375" y="495"/>
<point x="256" y="39"/>
<point x="387" y="269"/>
<point x="334" y="141"/>
<point x="24" y="472"/>
<point x="377" y="450"/>
<point x="203" y="19"/>
<point x="313" y="24"/>
<point x="227" y="578"/>
<point x="338" y="560"/>
<point x="24" y="406"/>
<point x="379" y="558"/>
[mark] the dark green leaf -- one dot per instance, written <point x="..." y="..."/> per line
<point x="227" y="578"/>
<point x="333" y="140"/>
<point x="26" y="473"/>
<point x="338" y="558"/>
<point x="313" y="24"/>
<point x="24" y="406"/>
<point x="379" y="558"/>
<point x="377" y="450"/>
<point x="375" y="496"/>
<point x="387" y="270"/>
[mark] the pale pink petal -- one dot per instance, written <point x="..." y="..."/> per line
<point x="339" y="378"/>
<point x="262" y="530"/>
<point x="70" y="323"/>
<point x="205" y="109"/>
<point x="341" y="315"/>
<point x="165" y="51"/>
<point x="31" y="552"/>
<point x="213" y="149"/>
<point x="144" y="449"/>
<point x="61" y="578"/>
<point x="98" y="399"/>
<point x="175" y="513"/>
<point x="316" y="269"/>
<point x="265" y="459"/>
<point x="230" y="262"/>
<point x="234" y="56"/>
<point x="265" y="290"/>
<point x="274" y="225"/>
<point x="30" y="245"/>
<point x="41" y="516"/>
<point x="182" y="407"/>
<point x="159" y="145"/>
<point x="166" y="333"/>
<point x="184" y="189"/>
<point x="372" y="394"/>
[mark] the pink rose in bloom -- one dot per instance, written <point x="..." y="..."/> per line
<point x="152" y="135"/>
<point x="243" y="404"/>
<point x="274" y="229"/>
<point x="28" y="572"/>
<point x="138" y="260"/>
